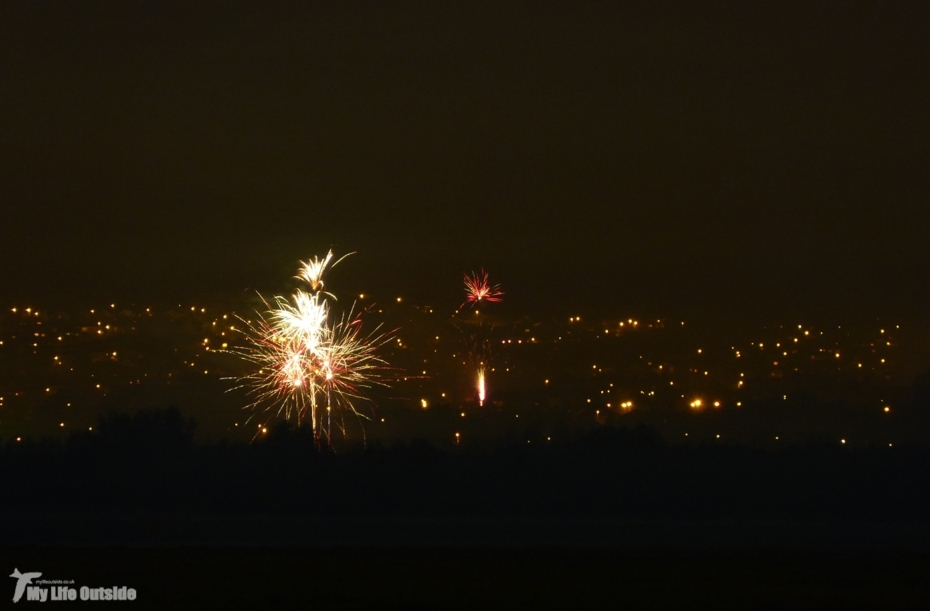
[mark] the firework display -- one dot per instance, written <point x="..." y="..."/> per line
<point x="308" y="364"/>
<point x="311" y="271"/>
<point x="477" y="289"/>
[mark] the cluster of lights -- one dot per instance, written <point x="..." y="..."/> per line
<point x="208" y="344"/>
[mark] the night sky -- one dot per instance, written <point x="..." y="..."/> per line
<point x="728" y="158"/>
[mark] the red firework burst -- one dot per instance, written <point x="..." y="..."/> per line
<point x="477" y="288"/>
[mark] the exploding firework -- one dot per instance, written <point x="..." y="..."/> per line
<point x="477" y="288"/>
<point x="302" y="320"/>
<point x="312" y="271"/>
<point x="306" y="362"/>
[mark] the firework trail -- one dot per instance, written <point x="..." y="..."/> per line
<point x="480" y="385"/>
<point x="477" y="288"/>
<point x="305" y="361"/>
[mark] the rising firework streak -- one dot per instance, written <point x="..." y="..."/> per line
<point x="481" y="386"/>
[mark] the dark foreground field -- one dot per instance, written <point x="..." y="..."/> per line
<point x="486" y="578"/>
<point x="615" y="518"/>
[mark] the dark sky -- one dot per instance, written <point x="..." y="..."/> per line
<point x="731" y="157"/>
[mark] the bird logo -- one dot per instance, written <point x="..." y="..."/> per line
<point x="23" y="579"/>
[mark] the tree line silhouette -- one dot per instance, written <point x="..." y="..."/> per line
<point x="150" y="462"/>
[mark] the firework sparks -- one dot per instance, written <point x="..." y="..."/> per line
<point x="304" y="319"/>
<point x="481" y="386"/>
<point x="304" y="360"/>
<point x="311" y="271"/>
<point x="477" y="288"/>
